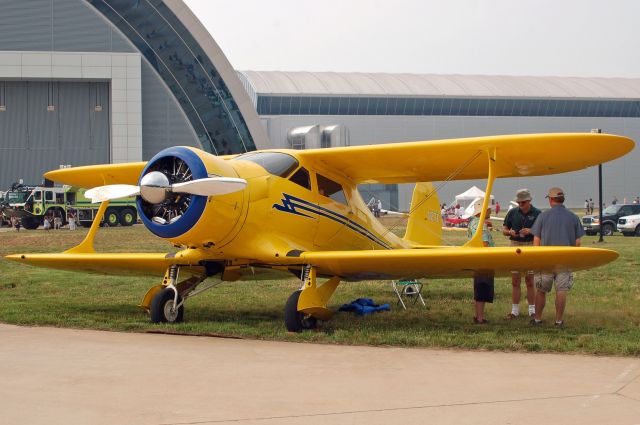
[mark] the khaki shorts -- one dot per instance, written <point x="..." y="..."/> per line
<point x="518" y="243"/>
<point x="544" y="281"/>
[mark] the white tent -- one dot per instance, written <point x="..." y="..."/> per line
<point x="466" y="198"/>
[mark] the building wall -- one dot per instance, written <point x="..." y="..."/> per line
<point x="188" y="60"/>
<point x="620" y="176"/>
<point x="163" y="122"/>
<point x="55" y="26"/>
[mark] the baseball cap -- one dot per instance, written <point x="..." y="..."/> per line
<point x="555" y="192"/>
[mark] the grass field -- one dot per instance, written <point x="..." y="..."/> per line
<point x="603" y="312"/>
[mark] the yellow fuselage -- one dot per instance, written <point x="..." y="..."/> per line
<point x="279" y="217"/>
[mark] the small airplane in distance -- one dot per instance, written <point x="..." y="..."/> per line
<point x="300" y="212"/>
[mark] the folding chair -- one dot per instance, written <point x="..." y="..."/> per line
<point x="410" y="289"/>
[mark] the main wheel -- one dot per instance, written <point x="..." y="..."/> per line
<point x="607" y="229"/>
<point x="128" y="217"/>
<point x="294" y="320"/>
<point x="637" y="232"/>
<point x="111" y="217"/>
<point x="162" y="308"/>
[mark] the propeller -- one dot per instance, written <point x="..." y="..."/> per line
<point x="155" y="186"/>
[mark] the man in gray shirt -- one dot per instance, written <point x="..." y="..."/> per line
<point x="555" y="227"/>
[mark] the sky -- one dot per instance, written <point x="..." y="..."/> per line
<point x="585" y="38"/>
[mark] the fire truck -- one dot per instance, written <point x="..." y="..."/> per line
<point x="31" y="204"/>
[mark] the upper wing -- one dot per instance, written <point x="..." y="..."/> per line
<point x="409" y="162"/>
<point x="98" y="175"/>
<point x="462" y="159"/>
<point x="451" y="262"/>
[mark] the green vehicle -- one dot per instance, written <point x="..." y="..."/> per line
<point x="30" y="204"/>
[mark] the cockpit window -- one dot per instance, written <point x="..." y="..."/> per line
<point x="301" y="177"/>
<point x="331" y="189"/>
<point x="276" y="163"/>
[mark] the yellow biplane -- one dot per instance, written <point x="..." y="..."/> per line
<point x="300" y="212"/>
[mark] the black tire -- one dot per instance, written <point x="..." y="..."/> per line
<point x="628" y="234"/>
<point x="161" y="308"/>
<point x="637" y="233"/>
<point x="128" y="217"/>
<point x="607" y="229"/>
<point x="294" y="320"/>
<point x="30" y="223"/>
<point x="111" y="217"/>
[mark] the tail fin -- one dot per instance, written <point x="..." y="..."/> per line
<point x="425" y="222"/>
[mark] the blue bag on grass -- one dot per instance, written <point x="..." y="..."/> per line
<point x="363" y="306"/>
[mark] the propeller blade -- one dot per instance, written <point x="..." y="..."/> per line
<point x="210" y="186"/>
<point x="111" y="191"/>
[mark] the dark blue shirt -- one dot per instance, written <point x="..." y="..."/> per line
<point x="517" y="220"/>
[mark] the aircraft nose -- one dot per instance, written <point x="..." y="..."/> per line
<point x="154" y="186"/>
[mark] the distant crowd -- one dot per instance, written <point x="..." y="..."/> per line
<point x="52" y="220"/>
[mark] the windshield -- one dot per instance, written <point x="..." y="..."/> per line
<point x="276" y="163"/>
<point x="611" y="210"/>
<point x="17" y="197"/>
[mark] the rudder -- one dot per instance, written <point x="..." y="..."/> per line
<point x="425" y="221"/>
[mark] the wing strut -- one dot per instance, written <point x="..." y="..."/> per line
<point x="476" y="239"/>
<point x="86" y="246"/>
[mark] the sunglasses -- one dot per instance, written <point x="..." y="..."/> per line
<point x="522" y="202"/>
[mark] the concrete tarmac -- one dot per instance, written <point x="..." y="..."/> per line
<point x="62" y="376"/>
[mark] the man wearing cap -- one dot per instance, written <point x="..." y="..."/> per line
<point x="517" y="226"/>
<point x="555" y="227"/>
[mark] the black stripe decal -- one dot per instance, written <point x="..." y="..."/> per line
<point x="291" y="204"/>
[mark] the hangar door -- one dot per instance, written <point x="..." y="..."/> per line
<point x="45" y="124"/>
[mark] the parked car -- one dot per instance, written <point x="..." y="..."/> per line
<point x="629" y="225"/>
<point x="610" y="217"/>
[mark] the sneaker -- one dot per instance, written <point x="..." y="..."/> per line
<point x="559" y="324"/>
<point x="512" y="316"/>
<point x="534" y="323"/>
<point x="480" y="322"/>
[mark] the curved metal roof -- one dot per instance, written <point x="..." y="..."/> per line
<point x="185" y="56"/>
<point x="434" y="85"/>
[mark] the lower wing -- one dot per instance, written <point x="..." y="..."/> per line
<point x="434" y="262"/>
<point x="113" y="264"/>
<point x="451" y="262"/>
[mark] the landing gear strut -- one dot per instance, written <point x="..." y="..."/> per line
<point x="308" y="304"/>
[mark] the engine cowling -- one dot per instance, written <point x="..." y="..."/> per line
<point x="187" y="219"/>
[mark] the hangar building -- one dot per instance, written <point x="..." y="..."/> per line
<point x="382" y="108"/>
<point x="98" y="81"/>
